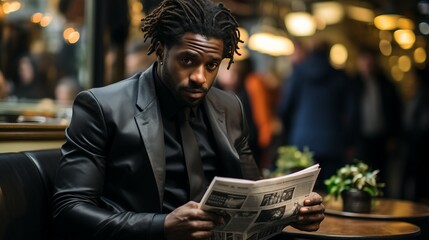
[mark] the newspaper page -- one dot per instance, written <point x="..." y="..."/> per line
<point x="257" y="210"/>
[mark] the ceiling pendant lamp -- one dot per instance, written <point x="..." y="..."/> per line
<point x="300" y="24"/>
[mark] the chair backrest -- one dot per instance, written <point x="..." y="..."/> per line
<point x="26" y="183"/>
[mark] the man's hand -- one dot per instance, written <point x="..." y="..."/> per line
<point x="311" y="214"/>
<point x="190" y="222"/>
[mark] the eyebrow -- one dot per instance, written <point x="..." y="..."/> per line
<point x="194" y="55"/>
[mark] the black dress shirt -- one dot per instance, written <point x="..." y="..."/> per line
<point x="176" y="192"/>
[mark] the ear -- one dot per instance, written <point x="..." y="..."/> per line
<point x="159" y="50"/>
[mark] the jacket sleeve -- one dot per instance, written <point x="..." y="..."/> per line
<point x="79" y="210"/>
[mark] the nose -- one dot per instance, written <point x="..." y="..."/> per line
<point x="198" y="75"/>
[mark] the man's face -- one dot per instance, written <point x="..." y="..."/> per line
<point x="190" y="67"/>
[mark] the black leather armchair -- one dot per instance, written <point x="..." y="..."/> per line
<point x="26" y="182"/>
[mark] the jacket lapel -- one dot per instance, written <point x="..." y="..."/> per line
<point x="149" y="124"/>
<point x="226" y="150"/>
<point x="150" y="127"/>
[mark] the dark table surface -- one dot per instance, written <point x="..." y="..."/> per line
<point x="383" y="209"/>
<point x="351" y="228"/>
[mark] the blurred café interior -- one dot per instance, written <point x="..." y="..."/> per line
<point x="52" y="49"/>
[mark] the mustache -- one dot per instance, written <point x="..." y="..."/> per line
<point x="196" y="89"/>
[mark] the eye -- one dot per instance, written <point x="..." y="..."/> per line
<point x="187" y="60"/>
<point x="212" y="66"/>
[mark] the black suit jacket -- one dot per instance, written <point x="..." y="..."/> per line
<point x="110" y="182"/>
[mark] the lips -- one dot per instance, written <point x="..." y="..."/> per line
<point x="195" y="93"/>
<point x="195" y="90"/>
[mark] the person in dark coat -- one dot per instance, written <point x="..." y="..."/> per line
<point x="377" y="114"/>
<point x="314" y="108"/>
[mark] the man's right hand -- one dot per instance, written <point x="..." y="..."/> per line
<point x="190" y="222"/>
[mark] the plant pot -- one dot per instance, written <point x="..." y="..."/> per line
<point x="356" y="201"/>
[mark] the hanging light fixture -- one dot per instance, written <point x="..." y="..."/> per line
<point x="360" y="13"/>
<point x="330" y="12"/>
<point x="387" y="21"/>
<point x="266" y="37"/>
<point x="405" y="38"/>
<point x="269" y="40"/>
<point x="10" y="6"/>
<point x="300" y="24"/>
<point x="405" y="23"/>
<point x="338" y="55"/>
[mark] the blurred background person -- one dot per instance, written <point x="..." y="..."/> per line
<point x="314" y="109"/>
<point x="415" y="161"/>
<point x="66" y="90"/>
<point x="28" y="85"/>
<point x="249" y="86"/>
<point x="377" y="113"/>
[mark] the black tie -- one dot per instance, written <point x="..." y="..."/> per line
<point x="192" y="158"/>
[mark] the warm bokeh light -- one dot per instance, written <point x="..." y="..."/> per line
<point x="71" y="35"/>
<point x="360" y="14"/>
<point x="37" y="17"/>
<point x="136" y="12"/>
<point x="300" y="24"/>
<point x="329" y="12"/>
<point x="406" y="23"/>
<point x="385" y="47"/>
<point x="397" y="74"/>
<point x="45" y="21"/>
<point x="137" y="6"/>
<point x="10" y="7"/>
<point x="420" y="55"/>
<point x="405" y="38"/>
<point x="67" y="32"/>
<point x="404" y="63"/>
<point x="386" y="21"/>
<point x="338" y="55"/>
<point x="271" y="44"/>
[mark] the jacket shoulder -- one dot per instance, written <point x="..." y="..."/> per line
<point x="125" y="86"/>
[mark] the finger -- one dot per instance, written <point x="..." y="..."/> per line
<point x="193" y="204"/>
<point x="313" y="199"/>
<point x="202" y="225"/>
<point x="200" y="215"/>
<point x="312" y="209"/>
<point x="311" y="218"/>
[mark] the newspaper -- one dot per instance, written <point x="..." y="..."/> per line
<point x="257" y="210"/>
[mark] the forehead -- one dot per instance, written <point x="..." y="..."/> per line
<point x="199" y="44"/>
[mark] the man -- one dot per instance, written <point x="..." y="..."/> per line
<point x="377" y="114"/>
<point x="123" y="174"/>
<point x="314" y="109"/>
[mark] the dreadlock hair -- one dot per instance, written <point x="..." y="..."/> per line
<point x="173" y="18"/>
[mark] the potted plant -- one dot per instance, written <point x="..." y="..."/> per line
<point x="357" y="184"/>
<point x="291" y="159"/>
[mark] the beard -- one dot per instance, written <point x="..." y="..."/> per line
<point x="183" y="93"/>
